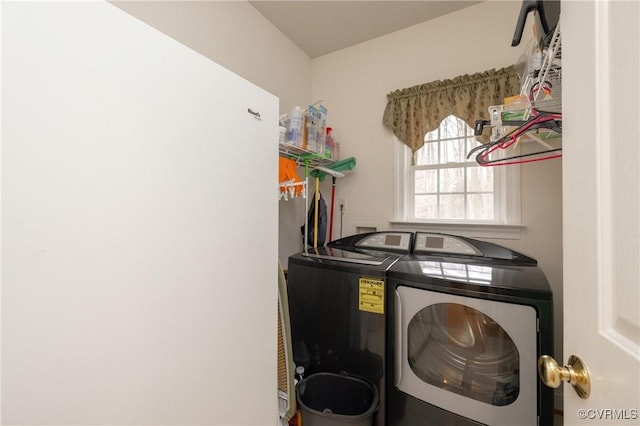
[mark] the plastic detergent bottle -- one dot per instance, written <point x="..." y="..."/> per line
<point x="329" y="144"/>
<point x="311" y="136"/>
<point x="294" y="129"/>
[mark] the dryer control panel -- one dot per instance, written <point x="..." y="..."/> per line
<point x="432" y="243"/>
<point x="441" y="243"/>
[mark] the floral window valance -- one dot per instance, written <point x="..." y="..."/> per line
<point x="413" y="112"/>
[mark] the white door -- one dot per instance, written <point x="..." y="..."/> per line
<point x="601" y="184"/>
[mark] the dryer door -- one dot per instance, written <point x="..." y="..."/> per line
<point x="473" y="357"/>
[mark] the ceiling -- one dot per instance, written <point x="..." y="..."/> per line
<point x="322" y="27"/>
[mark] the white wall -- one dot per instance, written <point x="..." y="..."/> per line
<point x="354" y="83"/>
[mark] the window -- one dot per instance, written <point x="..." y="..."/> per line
<point x="444" y="187"/>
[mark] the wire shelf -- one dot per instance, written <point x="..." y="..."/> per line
<point x="533" y="116"/>
<point x="543" y="86"/>
<point x="303" y="157"/>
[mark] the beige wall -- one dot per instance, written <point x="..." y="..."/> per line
<point x="353" y="84"/>
<point x="235" y="35"/>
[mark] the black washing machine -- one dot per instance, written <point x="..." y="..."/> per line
<point x="337" y="306"/>
<point x="467" y="321"/>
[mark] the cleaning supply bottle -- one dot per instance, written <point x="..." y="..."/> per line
<point x="310" y="135"/>
<point x="294" y="128"/>
<point x="329" y="144"/>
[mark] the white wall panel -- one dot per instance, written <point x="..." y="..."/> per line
<point x="138" y="247"/>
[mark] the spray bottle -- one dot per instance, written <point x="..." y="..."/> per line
<point x="329" y="144"/>
<point x="294" y="128"/>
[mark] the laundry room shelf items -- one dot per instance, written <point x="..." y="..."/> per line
<point x="309" y="160"/>
<point x="292" y="189"/>
<point x="303" y="157"/>
<point x="318" y="167"/>
<point x="535" y="115"/>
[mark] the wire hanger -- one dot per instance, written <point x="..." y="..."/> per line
<point x="543" y="120"/>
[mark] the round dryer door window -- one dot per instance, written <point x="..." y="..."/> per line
<point x="470" y="356"/>
<point x="461" y="350"/>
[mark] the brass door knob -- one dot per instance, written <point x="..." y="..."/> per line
<point x="575" y="372"/>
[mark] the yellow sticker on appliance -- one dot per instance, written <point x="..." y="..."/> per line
<point x="371" y="295"/>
